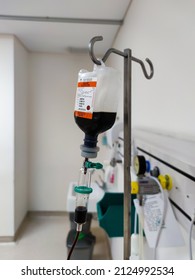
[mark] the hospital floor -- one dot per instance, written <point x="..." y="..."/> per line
<point x="43" y="237"/>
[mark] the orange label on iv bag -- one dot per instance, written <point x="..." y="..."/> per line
<point x="85" y="96"/>
<point x="83" y="115"/>
<point x="87" y="84"/>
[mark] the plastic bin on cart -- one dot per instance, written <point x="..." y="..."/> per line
<point x="110" y="214"/>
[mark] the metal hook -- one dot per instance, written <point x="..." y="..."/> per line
<point x="109" y="51"/>
<point x="91" y="53"/>
<point x="112" y="50"/>
<point x="144" y="68"/>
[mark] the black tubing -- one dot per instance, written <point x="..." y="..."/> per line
<point x="73" y="245"/>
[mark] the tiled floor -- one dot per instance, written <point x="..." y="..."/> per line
<point x="44" y="238"/>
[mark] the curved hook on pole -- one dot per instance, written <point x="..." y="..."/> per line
<point x="151" y="69"/>
<point x="109" y="51"/>
<point x="112" y="50"/>
<point x="148" y="76"/>
<point x="91" y="52"/>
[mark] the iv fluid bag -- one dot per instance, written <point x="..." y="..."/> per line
<point x="97" y="91"/>
<point x="96" y="100"/>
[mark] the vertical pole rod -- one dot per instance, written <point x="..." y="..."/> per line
<point x="127" y="153"/>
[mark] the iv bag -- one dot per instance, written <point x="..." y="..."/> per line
<point x="97" y="91"/>
<point x="96" y="104"/>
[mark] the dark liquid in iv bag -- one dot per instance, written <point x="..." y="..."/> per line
<point x="100" y="122"/>
<point x="80" y="214"/>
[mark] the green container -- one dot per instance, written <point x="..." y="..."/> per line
<point x="110" y="214"/>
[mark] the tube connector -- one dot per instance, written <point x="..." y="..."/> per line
<point x="79" y="227"/>
<point x="145" y="186"/>
<point x="89" y="152"/>
<point x="96" y="165"/>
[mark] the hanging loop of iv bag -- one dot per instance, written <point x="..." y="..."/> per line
<point x="96" y="104"/>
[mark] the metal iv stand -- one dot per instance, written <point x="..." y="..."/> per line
<point x="128" y="58"/>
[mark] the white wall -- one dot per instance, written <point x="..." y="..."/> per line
<point x="55" y="139"/>
<point x="13" y="131"/>
<point x="21" y="93"/>
<point x="162" y="30"/>
<point x="6" y="136"/>
<point x="40" y="150"/>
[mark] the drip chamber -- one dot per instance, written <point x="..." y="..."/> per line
<point x="82" y="191"/>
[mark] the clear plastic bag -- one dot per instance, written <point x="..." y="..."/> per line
<point x="98" y="91"/>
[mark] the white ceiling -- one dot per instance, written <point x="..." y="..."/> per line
<point x="47" y="36"/>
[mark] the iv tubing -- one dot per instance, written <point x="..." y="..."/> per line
<point x="190" y="237"/>
<point x="163" y="215"/>
<point x="73" y="245"/>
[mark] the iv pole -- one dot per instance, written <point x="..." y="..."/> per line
<point x="128" y="58"/>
